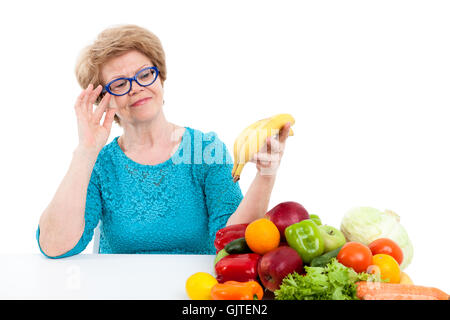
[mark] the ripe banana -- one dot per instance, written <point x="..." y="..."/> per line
<point x="253" y="138"/>
<point x="242" y="138"/>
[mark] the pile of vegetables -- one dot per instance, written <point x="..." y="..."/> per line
<point x="366" y="224"/>
<point x="292" y="254"/>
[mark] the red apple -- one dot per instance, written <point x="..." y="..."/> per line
<point x="276" y="264"/>
<point x="286" y="213"/>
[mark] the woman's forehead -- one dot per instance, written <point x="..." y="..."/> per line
<point x="124" y="65"/>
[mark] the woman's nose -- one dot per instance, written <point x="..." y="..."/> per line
<point x="135" y="88"/>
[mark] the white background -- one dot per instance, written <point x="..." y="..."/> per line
<point x="367" y="82"/>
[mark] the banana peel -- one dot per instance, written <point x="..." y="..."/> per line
<point x="252" y="139"/>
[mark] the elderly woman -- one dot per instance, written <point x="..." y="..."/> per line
<point x="157" y="188"/>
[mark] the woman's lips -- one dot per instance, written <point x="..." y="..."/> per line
<point x="141" y="102"/>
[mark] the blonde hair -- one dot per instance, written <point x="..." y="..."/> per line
<point x="115" y="41"/>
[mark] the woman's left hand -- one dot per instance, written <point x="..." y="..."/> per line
<point x="269" y="156"/>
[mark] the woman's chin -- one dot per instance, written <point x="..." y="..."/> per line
<point x="144" y="114"/>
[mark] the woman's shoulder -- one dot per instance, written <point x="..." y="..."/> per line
<point x="106" y="153"/>
<point x="208" y="146"/>
<point x="204" y="136"/>
<point x="109" y="148"/>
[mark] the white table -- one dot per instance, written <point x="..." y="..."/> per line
<point x="99" y="276"/>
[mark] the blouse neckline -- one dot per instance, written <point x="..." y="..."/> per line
<point x="148" y="166"/>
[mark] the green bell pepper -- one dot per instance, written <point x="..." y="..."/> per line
<point x="305" y="238"/>
<point x="316" y="219"/>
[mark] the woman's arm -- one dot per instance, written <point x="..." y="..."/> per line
<point x="256" y="201"/>
<point x="62" y="222"/>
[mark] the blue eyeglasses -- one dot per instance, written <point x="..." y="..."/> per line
<point x="121" y="86"/>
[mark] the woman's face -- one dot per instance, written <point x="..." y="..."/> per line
<point x="141" y="103"/>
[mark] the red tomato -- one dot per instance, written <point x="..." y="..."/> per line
<point x="355" y="255"/>
<point x="387" y="246"/>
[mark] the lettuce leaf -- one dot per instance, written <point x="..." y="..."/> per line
<point x="332" y="282"/>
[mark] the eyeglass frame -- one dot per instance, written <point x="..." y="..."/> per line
<point x="106" y="88"/>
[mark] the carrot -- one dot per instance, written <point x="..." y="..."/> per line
<point x="385" y="290"/>
<point x="397" y="296"/>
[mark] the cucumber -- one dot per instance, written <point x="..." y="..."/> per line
<point x="221" y="254"/>
<point x="323" y="260"/>
<point x="237" y="246"/>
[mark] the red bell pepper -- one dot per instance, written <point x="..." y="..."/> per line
<point x="228" y="234"/>
<point x="237" y="267"/>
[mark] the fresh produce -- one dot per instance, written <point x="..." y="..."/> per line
<point x="253" y="138"/>
<point x="332" y="238"/>
<point x="237" y="267"/>
<point x="366" y="224"/>
<point x="387" y="246"/>
<point x="332" y="282"/>
<point x="228" y="234"/>
<point x="199" y="285"/>
<point x="285" y="214"/>
<point x="316" y="219"/>
<point x="296" y="256"/>
<point x="323" y="260"/>
<point x="275" y="265"/>
<point x="387" y="267"/>
<point x="262" y="236"/>
<point x="235" y="290"/>
<point x="222" y="253"/>
<point x="305" y="238"/>
<point x="405" y="279"/>
<point x="367" y="290"/>
<point x="355" y="255"/>
<point x="237" y="246"/>
<point x="242" y="140"/>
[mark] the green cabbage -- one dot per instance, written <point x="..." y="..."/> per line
<point x="365" y="224"/>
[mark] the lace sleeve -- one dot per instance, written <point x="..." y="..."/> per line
<point x="92" y="216"/>
<point x="223" y="196"/>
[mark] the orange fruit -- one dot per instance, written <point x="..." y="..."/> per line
<point x="262" y="236"/>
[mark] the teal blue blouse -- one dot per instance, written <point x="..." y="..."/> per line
<point x="175" y="207"/>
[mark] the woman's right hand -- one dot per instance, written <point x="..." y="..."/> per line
<point x="93" y="135"/>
